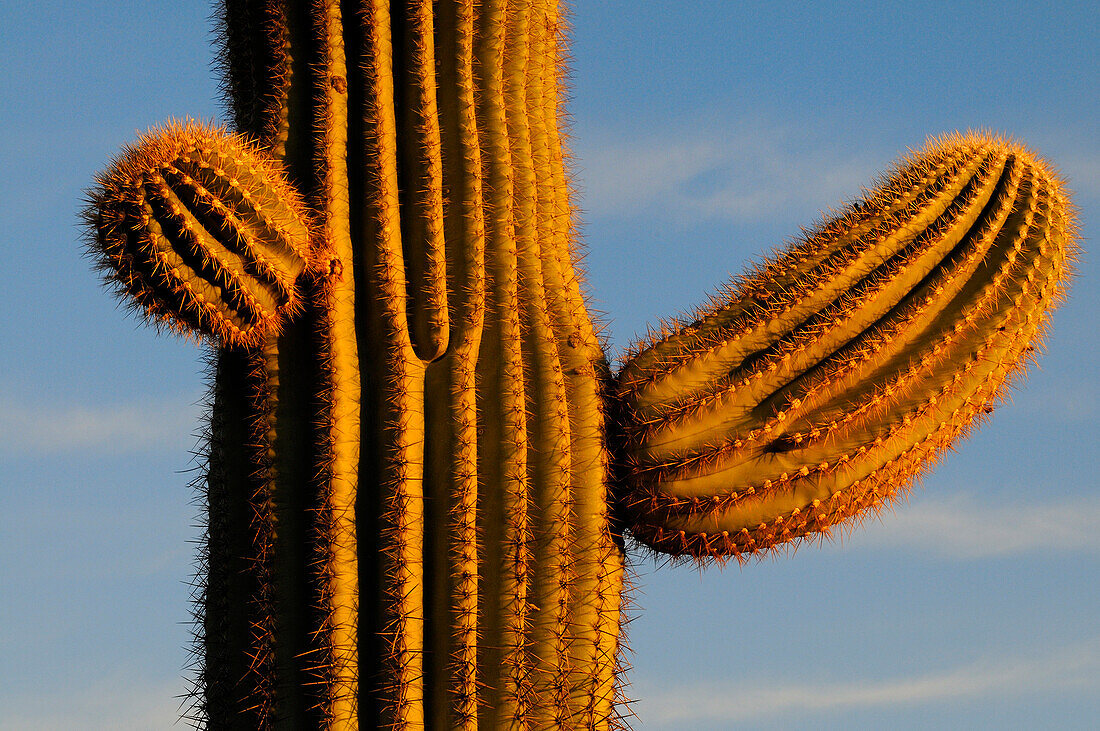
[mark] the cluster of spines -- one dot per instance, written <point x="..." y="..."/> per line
<point x="832" y="409"/>
<point x="203" y="231"/>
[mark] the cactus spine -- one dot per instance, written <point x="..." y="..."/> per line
<point x="410" y="520"/>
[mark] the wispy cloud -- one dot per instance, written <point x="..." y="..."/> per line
<point x="751" y="170"/>
<point x="1064" y="401"/>
<point x="1073" y="668"/>
<point x="119" y="428"/>
<point x="744" y="172"/>
<point x="963" y="527"/>
<point x="1073" y="151"/>
<point x="1083" y="173"/>
<point x="118" y="701"/>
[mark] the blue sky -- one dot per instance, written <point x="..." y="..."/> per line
<point x="702" y="139"/>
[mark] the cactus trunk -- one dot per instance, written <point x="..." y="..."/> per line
<point x="408" y="521"/>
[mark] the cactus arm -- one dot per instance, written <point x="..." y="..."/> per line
<point x="840" y="371"/>
<point x="204" y="233"/>
<point x="886" y="274"/>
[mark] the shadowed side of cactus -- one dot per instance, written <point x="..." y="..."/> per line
<point x="824" y="382"/>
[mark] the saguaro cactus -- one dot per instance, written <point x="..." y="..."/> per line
<point x="420" y="466"/>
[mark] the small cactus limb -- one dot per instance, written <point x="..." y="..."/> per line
<point x="221" y="272"/>
<point x="205" y="234"/>
<point x="842" y="408"/>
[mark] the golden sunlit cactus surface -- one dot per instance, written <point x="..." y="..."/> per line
<point x="419" y="463"/>
<point x="827" y="379"/>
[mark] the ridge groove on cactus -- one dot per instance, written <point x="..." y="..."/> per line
<point x="828" y="379"/>
<point x="420" y="467"/>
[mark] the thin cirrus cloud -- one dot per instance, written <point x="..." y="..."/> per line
<point x="1068" y="401"/>
<point x="963" y="528"/>
<point x="118" y="701"/>
<point x="1075" y="156"/>
<point x="1083" y="173"/>
<point x="748" y="172"/>
<point x="1071" y="669"/>
<point x="744" y="174"/>
<point x="117" y="428"/>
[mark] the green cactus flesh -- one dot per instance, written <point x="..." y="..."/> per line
<point x="419" y="462"/>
